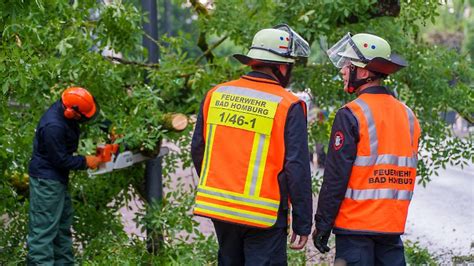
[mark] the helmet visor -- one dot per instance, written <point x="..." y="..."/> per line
<point x="299" y="47"/>
<point x="345" y="51"/>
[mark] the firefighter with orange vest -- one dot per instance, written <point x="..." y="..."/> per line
<point x="56" y="140"/>
<point x="250" y="148"/>
<point x="371" y="165"/>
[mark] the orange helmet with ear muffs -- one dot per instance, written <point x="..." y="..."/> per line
<point x="78" y="103"/>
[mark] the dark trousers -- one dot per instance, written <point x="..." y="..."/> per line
<point x="49" y="234"/>
<point x="367" y="250"/>
<point x="240" y="245"/>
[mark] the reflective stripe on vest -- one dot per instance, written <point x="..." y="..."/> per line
<point x="249" y="93"/>
<point x="237" y="214"/>
<point x="386" y="159"/>
<point x="247" y="115"/>
<point x="375" y="158"/>
<point x="382" y="193"/>
<point x="226" y="196"/>
<point x="257" y="164"/>
<point x="207" y="153"/>
<point x="411" y="120"/>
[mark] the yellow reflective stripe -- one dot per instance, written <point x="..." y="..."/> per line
<point x="236" y="211"/>
<point x="211" y="129"/>
<point x="252" y="164"/>
<point x="257" y="164"/>
<point x="235" y="217"/>
<point x="261" y="167"/>
<point x="239" y="195"/>
<point x="239" y="201"/>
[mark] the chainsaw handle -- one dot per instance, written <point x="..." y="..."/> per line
<point x="105" y="152"/>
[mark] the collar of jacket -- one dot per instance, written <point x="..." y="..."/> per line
<point x="260" y="77"/>
<point x="376" y="90"/>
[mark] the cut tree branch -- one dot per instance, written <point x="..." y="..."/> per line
<point x="175" y="121"/>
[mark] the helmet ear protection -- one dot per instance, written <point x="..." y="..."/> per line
<point x="72" y="112"/>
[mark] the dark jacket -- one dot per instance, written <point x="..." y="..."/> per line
<point x="339" y="166"/>
<point x="56" y="139"/>
<point x="294" y="180"/>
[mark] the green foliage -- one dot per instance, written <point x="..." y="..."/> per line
<point x="48" y="45"/>
<point x="416" y="255"/>
<point x="297" y="257"/>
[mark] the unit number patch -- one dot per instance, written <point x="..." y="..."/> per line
<point x="242" y="112"/>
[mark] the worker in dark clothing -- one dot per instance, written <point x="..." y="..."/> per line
<point x="56" y="140"/>
<point x="371" y="165"/>
<point x="250" y="149"/>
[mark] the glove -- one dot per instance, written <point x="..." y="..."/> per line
<point x="92" y="161"/>
<point x="320" y="240"/>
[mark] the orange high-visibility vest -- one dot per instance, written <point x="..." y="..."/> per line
<point x="383" y="175"/>
<point x="244" y="124"/>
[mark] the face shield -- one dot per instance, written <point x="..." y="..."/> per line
<point x="345" y="51"/>
<point x="298" y="47"/>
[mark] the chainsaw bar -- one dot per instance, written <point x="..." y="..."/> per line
<point x="123" y="160"/>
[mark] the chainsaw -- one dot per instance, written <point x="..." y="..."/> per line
<point x="111" y="159"/>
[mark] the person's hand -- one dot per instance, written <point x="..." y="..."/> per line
<point x="320" y="240"/>
<point x="301" y="242"/>
<point x="92" y="161"/>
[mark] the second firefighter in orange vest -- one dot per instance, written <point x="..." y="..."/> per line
<point x="372" y="158"/>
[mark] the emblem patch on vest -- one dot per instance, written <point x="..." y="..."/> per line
<point x="338" y="140"/>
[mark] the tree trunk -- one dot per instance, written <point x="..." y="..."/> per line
<point x="167" y="27"/>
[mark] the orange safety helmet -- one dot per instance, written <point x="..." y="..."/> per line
<point x="78" y="104"/>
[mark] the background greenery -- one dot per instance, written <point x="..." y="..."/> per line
<point x="47" y="45"/>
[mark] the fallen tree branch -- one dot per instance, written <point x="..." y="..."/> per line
<point x="202" y="44"/>
<point x="152" y="39"/>
<point x="135" y="63"/>
<point x="209" y="49"/>
<point x="465" y="115"/>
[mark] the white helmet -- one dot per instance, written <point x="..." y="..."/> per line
<point x="366" y="51"/>
<point x="279" y="45"/>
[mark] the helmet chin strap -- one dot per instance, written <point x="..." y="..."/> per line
<point x="353" y="83"/>
<point x="283" y="79"/>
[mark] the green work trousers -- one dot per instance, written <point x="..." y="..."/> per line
<point x="49" y="235"/>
